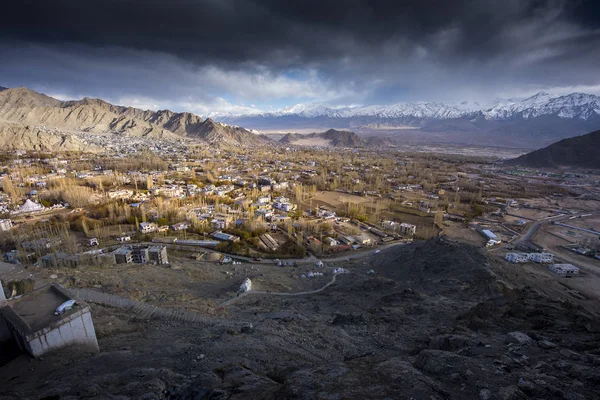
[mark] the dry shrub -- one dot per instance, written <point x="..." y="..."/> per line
<point x="77" y="196"/>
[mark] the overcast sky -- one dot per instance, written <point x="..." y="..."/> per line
<point x="236" y="55"/>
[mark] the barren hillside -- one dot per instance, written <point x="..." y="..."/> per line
<point x="434" y="321"/>
<point x="24" y="137"/>
<point x="27" y="107"/>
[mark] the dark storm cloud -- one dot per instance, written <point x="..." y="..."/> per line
<point x="279" y="31"/>
<point x="365" y="51"/>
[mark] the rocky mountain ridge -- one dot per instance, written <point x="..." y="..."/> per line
<point x="332" y="137"/>
<point x="533" y="122"/>
<point x="580" y="151"/>
<point x="574" y="105"/>
<point x="26" y="107"/>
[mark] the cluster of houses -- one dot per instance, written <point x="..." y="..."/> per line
<point x="283" y="203"/>
<point x="156" y="254"/>
<point x="140" y="254"/>
<point x="530" y="257"/>
<point x="403" y="228"/>
<point x="566" y="270"/>
<point x="339" y="244"/>
<point x="258" y="186"/>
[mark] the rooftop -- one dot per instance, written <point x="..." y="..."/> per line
<point x="37" y="309"/>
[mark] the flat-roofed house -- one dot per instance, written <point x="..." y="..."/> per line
<point x="542" y="257"/>
<point x="517" y="257"/>
<point x="147" y="227"/>
<point x="566" y="270"/>
<point x="5" y="225"/>
<point x="158" y="254"/>
<point x="35" y="325"/>
<point x="407" y="229"/>
<point x="123" y="255"/>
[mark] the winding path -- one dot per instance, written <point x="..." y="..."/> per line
<point x="145" y="310"/>
<point x="234" y="299"/>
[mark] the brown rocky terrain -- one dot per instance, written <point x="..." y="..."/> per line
<point x="25" y="137"/>
<point x="26" y="107"/>
<point x="435" y="321"/>
<point x="331" y="137"/>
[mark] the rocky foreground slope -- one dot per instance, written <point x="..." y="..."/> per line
<point x="434" y="322"/>
<point x="26" y="107"/>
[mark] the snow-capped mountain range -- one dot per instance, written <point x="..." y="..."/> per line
<point x="525" y="123"/>
<point x="574" y="105"/>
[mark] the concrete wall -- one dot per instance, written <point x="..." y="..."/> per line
<point x="77" y="330"/>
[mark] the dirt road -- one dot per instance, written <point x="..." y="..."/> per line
<point x="233" y="300"/>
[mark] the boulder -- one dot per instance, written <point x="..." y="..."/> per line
<point x="439" y="362"/>
<point x="519" y="338"/>
<point x="485" y="394"/>
<point x="350" y="319"/>
<point x="527" y="387"/>
<point x="362" y="381"/>
<point x="449" y="342"/>
<point x="571" y="355"/>
<point x="248" y="329"/>
<point x="574" y="396"/>
<point x="546" y="344"/>
<point x="511" y="393"/>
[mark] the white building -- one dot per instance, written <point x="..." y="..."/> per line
<point x="407" y="229"/>
<point x="5" y="225"/>
<point x="264" y="200"/>
<point x="29" y="207"/>
<point x="263" y="212"/>
<point x="542" y="257"/>
<point x="326" y="214"/>
<point x="283" y="206"/>
<point x="491" y="237"/>
<point x="566" y="270"/>
<point x="120" y="194"/>
<point x="517" y="257"/>
<point x="147" y="227"/>
<point x="390" y="225"/>
<point x="223" y="190"/>
<point x="525" y="257"/>
<point x="35" y="324"/>
<point x="169" y="191"/>
<point x="246" y="285"/>
<point x="221" y="222"/>
<point x="331" y="241"/>
<point x="180" y="226"/>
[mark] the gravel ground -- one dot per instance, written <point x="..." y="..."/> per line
<point x="435" y="321"/>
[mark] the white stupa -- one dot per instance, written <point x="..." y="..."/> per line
<point x="29" y="207"/>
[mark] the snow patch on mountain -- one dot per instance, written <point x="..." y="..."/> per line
<point x="574" y="105"/>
